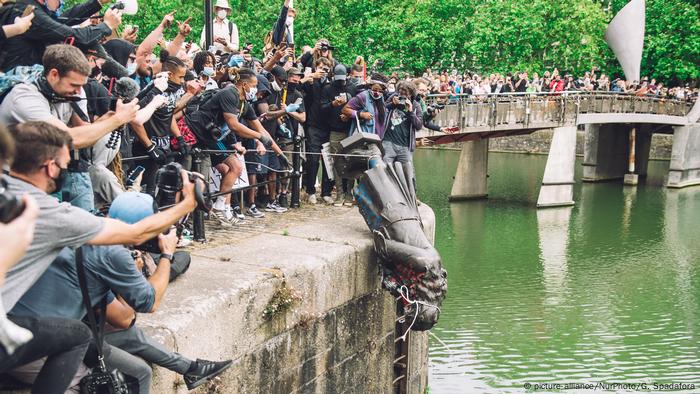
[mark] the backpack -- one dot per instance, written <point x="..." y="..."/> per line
<point x="198" y="101"/>
<point x="19" y="74"/>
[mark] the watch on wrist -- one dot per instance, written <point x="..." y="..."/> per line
<point x="167" y="256"/>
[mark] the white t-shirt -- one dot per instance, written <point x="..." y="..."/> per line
<point x="221" y="29"/>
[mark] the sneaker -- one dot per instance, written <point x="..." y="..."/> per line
<point x="282" y="200"/>
<point x="328" y="200"/>
<point x="184" y="242"/>
<point x="203" y="371"/>
<point x="273" y="207"/>
<point x="312" y="199"/>
<point x="225" y="217"/>
<point x="339" y="200"/>
<point x="238" y="213"/>
<point x="278" y="207"/>
<point x="254" y="212"/>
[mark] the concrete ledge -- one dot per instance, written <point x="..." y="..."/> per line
<point x="338" y="338"/>
<point x="467" y="198"/>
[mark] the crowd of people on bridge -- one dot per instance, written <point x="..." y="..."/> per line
<point x="95" y="129"/>
<point x="473" y="84"/>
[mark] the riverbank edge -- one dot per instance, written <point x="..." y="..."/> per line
<point x="338" y="335"/>
<point x="539" y="141"/>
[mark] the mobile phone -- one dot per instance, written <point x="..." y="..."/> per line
<point x="28" y="10"/>
<point x="133" y="175"/>
<point x="135" y="28"/>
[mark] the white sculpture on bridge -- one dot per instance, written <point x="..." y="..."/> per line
<point x="625" y="36"/>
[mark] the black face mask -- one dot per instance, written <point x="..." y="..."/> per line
<point x="292" y="86"/>
<point x="173" y="87"/>
<point x="60" y="179"/>
<point x="96" y="71"/>
<point x="339" y="84"/>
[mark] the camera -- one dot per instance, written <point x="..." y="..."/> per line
<point x="402" y="102"/>
<point x="169" y="182"/>
<point x="433" y="109"/>
<point x="10" y="206"/>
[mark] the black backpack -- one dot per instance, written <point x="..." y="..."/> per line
<point x="198" y="101"/>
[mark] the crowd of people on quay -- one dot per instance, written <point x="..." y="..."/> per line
<point x="98" y="135"/>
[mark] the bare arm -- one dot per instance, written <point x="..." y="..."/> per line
<point x="116" y="232"/>
<point x="86" y="135"/>
<point x="149" y="43"/>
<point x="239" y="128"/>
<point x="184" y="30"/>
<point x="161" y="278"/>
<point x="141" y="134"/>
<point x="120" y="314"/>
<point x="257" y="126"/>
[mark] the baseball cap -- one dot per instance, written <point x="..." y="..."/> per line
<point x="340" y="73"/>
<point x="131" y="207"/>
<point x="294" y="71"/>
<point x="279" y="73"/>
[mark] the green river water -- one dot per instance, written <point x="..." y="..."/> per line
<point x="605" y="291"/>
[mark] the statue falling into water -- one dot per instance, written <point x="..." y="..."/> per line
<point x="410" y="266"/>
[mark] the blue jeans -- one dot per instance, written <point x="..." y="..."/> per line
<point x="77" y="190"/>
<point x="64" y="341"/>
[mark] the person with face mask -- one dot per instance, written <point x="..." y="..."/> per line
<point x="153" y="137"/>
<point x="51" y="26"/>
<point x="367" y="111"/>
<point x="224" y="31"/>
<point x="41" y="160"/>
<point x="286" y="111"/>
<point x="220" y="117"/>
<point x="333" y="99"/>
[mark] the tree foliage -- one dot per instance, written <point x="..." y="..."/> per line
<point x="482" y="36"/>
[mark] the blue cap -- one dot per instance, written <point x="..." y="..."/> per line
<point x="131" y="207"/>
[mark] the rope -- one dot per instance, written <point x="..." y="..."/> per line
<point x="403" y="292"/>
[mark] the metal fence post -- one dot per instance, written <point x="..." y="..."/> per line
<point x="296" y="163"/>
<point x="198" y="215"/>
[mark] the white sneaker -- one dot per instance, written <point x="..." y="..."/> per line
<point x="278" y="208"/>
<point x="328" y="200"/>
<point x="225" y="217"/>
<point x="312" y="199"/>
<point x="339" y="200"/>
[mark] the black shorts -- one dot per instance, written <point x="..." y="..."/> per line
<point x="256" y="164"/>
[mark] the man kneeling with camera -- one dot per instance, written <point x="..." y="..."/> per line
<point x="41" y="160"/>
<point x="112" y="274"/>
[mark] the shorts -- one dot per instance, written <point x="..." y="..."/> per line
<point x="256" y="164"/>
<point x="272" y="161"/>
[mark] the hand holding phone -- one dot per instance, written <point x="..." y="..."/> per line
<point x="133" y="176"/>
<point x="27" y="10"/>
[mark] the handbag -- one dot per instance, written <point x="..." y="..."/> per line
<point x="100" y="380"/>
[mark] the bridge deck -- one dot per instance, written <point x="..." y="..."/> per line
<point x="498" y="115"/>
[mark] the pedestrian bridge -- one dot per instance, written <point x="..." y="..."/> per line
<point x="618" y="129"/>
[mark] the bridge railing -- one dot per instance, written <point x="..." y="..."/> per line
<point x="531" y="110"/>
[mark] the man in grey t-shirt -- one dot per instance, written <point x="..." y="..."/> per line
<point x="41" y="160"/>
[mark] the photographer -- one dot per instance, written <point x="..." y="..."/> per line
<point x="18" y="26"/>
<point x="62" y="341"/>
<point x="52" y="98"/>
<point x="113" y="270"/>
<point x="429" y="111"/>
<point x="403" y="120"/>
<point x="40" y="167"/>
<point x="50" y="26"/>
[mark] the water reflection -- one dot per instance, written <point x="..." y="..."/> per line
<point x="553" y="230"/>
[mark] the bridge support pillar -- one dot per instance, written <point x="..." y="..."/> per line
<point x="605" y="153"/>
<point x="558" y="181"/>
<point x="684" y="169"/>
<point x="470" y="178"/>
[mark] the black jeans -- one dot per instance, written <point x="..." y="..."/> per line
<point x="63" y="341"/>
<point x="315" y="138"/>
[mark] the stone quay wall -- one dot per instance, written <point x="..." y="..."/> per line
<point x="337" y="337"/>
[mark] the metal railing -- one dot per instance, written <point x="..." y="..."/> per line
<point x="531" y="110"/>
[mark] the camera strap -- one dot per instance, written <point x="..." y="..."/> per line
<point x="95" y="327"/>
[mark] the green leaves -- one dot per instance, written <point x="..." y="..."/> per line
<point x="483" y="36"/>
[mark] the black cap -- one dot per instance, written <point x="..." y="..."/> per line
<point x="279" y="73"/>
